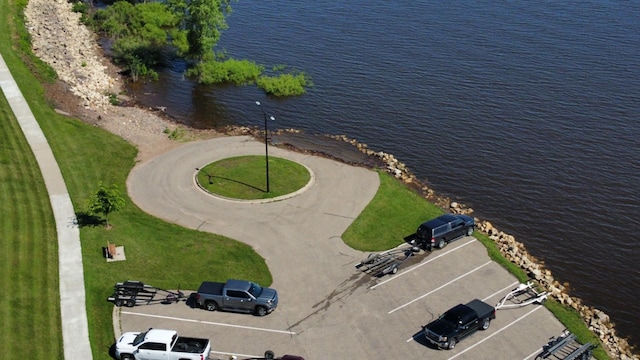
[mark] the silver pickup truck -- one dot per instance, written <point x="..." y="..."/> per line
<point x="237" y="295"/>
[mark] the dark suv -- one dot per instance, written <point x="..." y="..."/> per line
<point x="442" y="230"/>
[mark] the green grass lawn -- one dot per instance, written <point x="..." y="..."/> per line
<point x="29" y="257"/>
<point x="158" y="253"/>
<point x="394" y="213"/>
<point x="244" y="177"/>
<point x="30" y="308"/>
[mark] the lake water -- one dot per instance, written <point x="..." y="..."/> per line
<point x="526" y="111"/>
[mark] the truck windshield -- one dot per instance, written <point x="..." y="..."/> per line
<point x="139" y="338"/>
<point x="255" y="290"/>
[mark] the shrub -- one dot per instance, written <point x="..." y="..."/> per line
<point x="284" y="84"/>
<point x="239" y="72"/>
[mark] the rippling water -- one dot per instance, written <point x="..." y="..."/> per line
<point x="526" y="111"/>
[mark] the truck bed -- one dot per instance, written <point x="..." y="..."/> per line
<point x="190" y="345"/>
<point x="210" y="287"/>
<point x="481" y="308"/>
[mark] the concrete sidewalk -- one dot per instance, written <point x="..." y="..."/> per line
<point x="75" y="330"/>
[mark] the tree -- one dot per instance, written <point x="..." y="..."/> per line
<point x="140" y="34"/>
<point x="105" y="201"/>
<point x="204" y="20"/>
<point x="146" y="33"/>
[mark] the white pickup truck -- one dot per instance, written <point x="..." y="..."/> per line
<point x="155" y="344"/>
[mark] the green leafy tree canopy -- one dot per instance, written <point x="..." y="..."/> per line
<point x="203" y="21"/>
<point x="106" y="200"/>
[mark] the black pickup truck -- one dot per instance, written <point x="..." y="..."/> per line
<point x="459" y="322"/>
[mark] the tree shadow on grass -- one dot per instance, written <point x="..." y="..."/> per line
<point x="241" y="183"/>
<point x="87" y="219"/>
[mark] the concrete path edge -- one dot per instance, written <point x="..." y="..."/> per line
<point x="73" y="312"/>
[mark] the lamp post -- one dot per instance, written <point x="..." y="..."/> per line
<point x="206" y="173"/>
<point x="266" y="141"/>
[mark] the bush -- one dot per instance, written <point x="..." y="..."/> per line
<point x="284" y="85"/>
<point x="80" y="7"/>
<point x="239" y="72"/>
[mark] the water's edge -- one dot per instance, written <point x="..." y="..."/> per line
<point x="510" y="248"/>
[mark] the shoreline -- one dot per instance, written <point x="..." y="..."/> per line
<point x="87" y="77"/>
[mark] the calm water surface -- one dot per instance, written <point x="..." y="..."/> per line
<point x="526" y="111"/>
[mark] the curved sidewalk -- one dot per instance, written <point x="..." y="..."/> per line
<point x="75" y="330"/>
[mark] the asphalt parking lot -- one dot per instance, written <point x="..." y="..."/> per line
<point x="328" y="309"/>
<point x="364" y="317"/>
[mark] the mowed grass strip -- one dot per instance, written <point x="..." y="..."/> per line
<point x="393" y="213"/>
<point x="244" y="177"/>
<point x="29" y="271"/>
<point x="158" y="253"/>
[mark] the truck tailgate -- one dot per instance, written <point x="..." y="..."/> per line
<point x="210" y="287"/>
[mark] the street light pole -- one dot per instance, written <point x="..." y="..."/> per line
<point x="266" y="141"/>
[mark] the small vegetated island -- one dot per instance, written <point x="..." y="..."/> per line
<point x="145" y="33"/>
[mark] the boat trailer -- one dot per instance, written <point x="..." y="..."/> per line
<point x="131" y="293"/>
<point x="388" y="262"/>
<point x="566" y="347"/>
<point x="523" y="295"/>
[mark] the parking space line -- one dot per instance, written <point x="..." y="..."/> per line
<point x="236" y="354"/>
<point x="440" y="287"/>
<point x="396" y="276"/>
<point x="212" y="323"/>
<point x="532" y="355"/>
<point x="499" y="291"/>
<point x="496" y="333"/>
<point x="485" y="299"/>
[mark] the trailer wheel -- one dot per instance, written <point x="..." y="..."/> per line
<point x="452" y="344"/>
<point x="485" y="324"/>
<point x="261" y="311"/>
<point x="130" y="303"/>
<point x="442" y="244"/>
<point x="394" y="269"/>
<point x="118" y="303"/>
<point x="211" y="306"/>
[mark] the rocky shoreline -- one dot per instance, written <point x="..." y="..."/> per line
<point x="88" y="81"/>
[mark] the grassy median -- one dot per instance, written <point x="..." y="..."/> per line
<point x="244" y="177"/>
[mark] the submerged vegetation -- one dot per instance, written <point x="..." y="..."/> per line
<point x="145" y="33"/>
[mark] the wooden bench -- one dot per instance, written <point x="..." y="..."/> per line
<point x="111" y="250"/>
